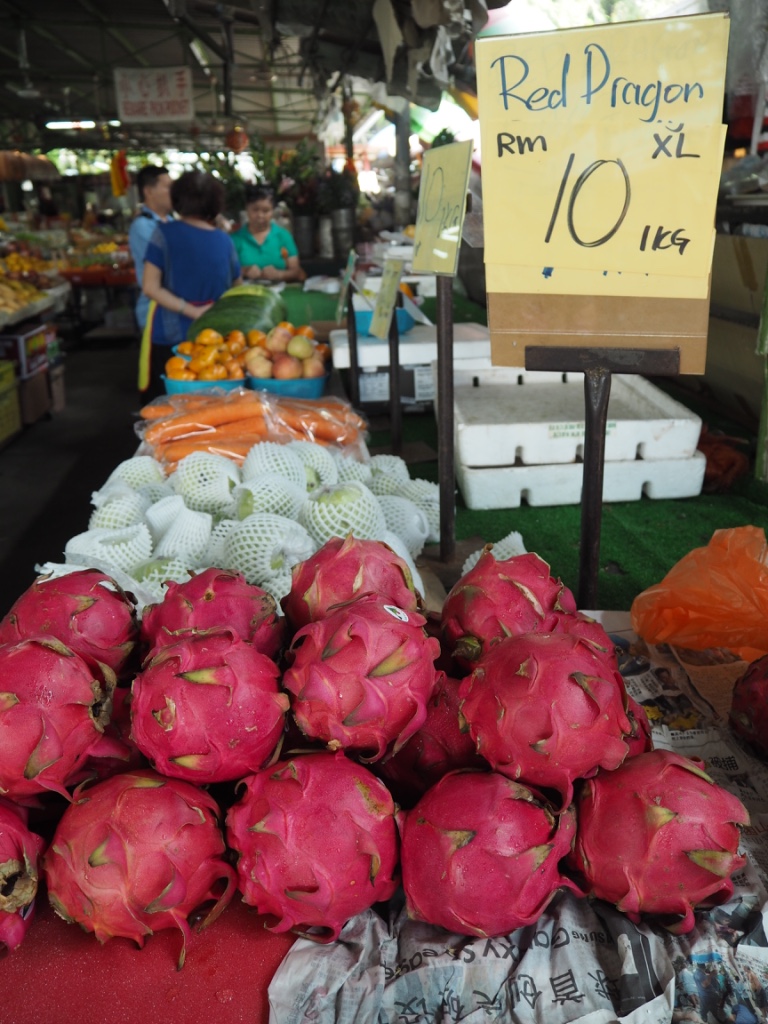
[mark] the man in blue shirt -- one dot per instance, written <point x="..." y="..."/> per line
<point x="154" y="185"/>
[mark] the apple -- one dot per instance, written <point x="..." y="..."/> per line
<point x="277" y="339"/>
<point x="313" y="367"/>
<point x="258" y="364"/>
<point x="286" y="367"/>
<point x="300" y="346"/>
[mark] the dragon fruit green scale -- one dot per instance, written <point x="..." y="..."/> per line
<point x="360" y="679"/>
<point x="658" y="836"/>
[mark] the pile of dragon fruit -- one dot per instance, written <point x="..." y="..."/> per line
<point x="319" y="755"/>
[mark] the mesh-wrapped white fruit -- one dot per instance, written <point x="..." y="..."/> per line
<point x="384" y="483"/>
<point x="206" y="481"/>
<point x="137" y="471"/>
<point x="343" y="508"/>
<point x="426" y="496"/>
<point x="267" y="493"/>
<point x="350" y="468"/>
<point x="155" y="491"/>
<point x="110" y="491"/>
<point x="392" y="465"/>
<point x="503" y="549"/>
<point x="162" y="513"/>
<point x="124" y="549"/>
<point x="123" y="510"/>
<point x="265" y="546"/>
<point x="187" y="537"/>
<point x="400" y="549"/>
<point x="406" y="520"/>
<point x="278" y="587"/>
<point x="215" y="555"/>
<point x="271" y="457"/>
<point x="319" y="464"/>
<point x="154" y="575"/>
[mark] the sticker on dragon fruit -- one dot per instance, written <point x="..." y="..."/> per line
<point x="396" y="613"/>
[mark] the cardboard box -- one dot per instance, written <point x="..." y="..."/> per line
<point x="10" y="413"/>
<point x="739" y="272"/>
<point x="56" y="386"/>
<point x="27" y="350"/>
<point x="34" y="397"/>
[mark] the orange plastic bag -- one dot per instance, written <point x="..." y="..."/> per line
<point x="716" y="596"/>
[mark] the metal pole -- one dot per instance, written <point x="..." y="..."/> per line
<point x="597" y="390"/>
<point x="445" y="449"/>
<point x="395" y="408"/>
<point x="354" y="365"/>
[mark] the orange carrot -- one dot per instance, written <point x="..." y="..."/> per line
<point x="243" y="407"/>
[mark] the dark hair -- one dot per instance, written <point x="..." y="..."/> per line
<point x="196" y="194"/>
<point x="148" y="176"/>
<point x="256" y="193"/>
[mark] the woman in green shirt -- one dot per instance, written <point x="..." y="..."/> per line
<point x="266" y="250"/>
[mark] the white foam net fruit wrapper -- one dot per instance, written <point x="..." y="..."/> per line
<point x="392" y="465"/>
<point x="125" y="549"/>
<point x="267" y="493"/>
<point x="206" y="481"/>
<point x="154" y="575"/>
<point x="264" y="546"/>
<point x="160" y="515"/>
<point x="340" y="509"/>
<point x="270" y="457"/>
<point x="503" y="549"/>
<point x="187" y="537"/>
<point x="137" y="471"/>
<point x="406" y="520"/>
<point x="350" y="468"/>
<point x="319" y="465"/>
<point x="125" y="510"/>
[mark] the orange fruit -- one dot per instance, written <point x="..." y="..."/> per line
<point x="287" y="326"/>
<point x="175" y="365"/>
<point x="406" y="290"/>
<point x="256" y="338"/>
<point x="209" y="337"/>
<point x="322" y="350"/>
<point x="307" y="330"/>
<point x="237" y="343"/>
<point x="187" y="375"/>
<point x="185" y="348"/>
<point x="235" y="371"/>
<point x="196" y="364"/>
<point x="234" y="336"/>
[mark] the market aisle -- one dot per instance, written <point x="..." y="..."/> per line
<point x="48" y="472"/>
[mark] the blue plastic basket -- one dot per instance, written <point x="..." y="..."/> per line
<point x="363" y="318"/>
<point x="299" y="387"/>
<point x="181" y="387"/>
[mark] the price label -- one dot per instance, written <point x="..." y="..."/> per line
<point x="602" y="148"/>
<point x="343" y="290"/>
<point x="441" y="209"/>
<point x="385" y="299"/>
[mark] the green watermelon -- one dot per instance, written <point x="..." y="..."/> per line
<point x="244" y="308"/>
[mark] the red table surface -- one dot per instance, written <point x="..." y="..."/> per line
<point x="62" y="975"/>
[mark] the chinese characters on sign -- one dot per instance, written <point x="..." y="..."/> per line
<point x="154" y="94"/>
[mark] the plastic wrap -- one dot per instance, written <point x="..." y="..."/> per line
<point x="715" y="596"/>
<point x="231" y="423"/>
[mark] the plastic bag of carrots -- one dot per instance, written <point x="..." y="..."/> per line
<point x="230" y="423"/>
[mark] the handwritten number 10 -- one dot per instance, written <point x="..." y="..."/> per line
<point x="580" y="181"/>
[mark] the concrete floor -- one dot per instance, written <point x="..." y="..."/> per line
<point x="48" y="472"/>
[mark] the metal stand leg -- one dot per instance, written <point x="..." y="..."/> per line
<point x="445" y="450"/>
<point x="597" y="391"/>
<point x="395" y="408"/>
<point x="354" y="365"/>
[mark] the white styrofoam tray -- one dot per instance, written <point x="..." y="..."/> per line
<point x="417" y="347"/>
<point x="507" y="486"/>
<point x="513" y="418"/>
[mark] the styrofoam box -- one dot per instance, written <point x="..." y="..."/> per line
<point x="509" y="417"/>
<point x="507" y="486"/>
<point x="417" y="347"/>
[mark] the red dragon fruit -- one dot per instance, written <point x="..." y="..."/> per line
<point x="138" y="853"/>
<point x="53" y="711"/>
<point x="748" y="716"/>
<point x="480" y="854"/>
<point x="86" y="610"/>
<point x="207" y="708"/>
<point x="497" y="599"/>
<point x="658" y="836"/>
<point x="437" y="748"/>
<point x="545" y="709"/>
<point x="316" y="842"/>
<point x="19" y="853"/>
<point x="341" y="570"/>
<point x="362" y="676"/>
<point x="215" y="599"/>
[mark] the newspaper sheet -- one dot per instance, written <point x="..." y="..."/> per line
<point x="583" y="960"/>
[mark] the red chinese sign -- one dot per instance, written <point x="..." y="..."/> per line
<point x="154" y="94"/>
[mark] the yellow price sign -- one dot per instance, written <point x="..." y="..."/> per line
<point x="441" y="209"/>
<point x="385" y="300"/>
<point x="602" y="147"/>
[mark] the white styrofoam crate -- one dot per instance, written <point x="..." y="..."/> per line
<point x="560" y="484"/>
<point x="501" y="419"/>
<point x="417" y="347"/>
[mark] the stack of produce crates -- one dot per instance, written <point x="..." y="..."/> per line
<point x="10" y="412"/>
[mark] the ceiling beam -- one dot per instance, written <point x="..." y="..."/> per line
<point x="115" y="33"/>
